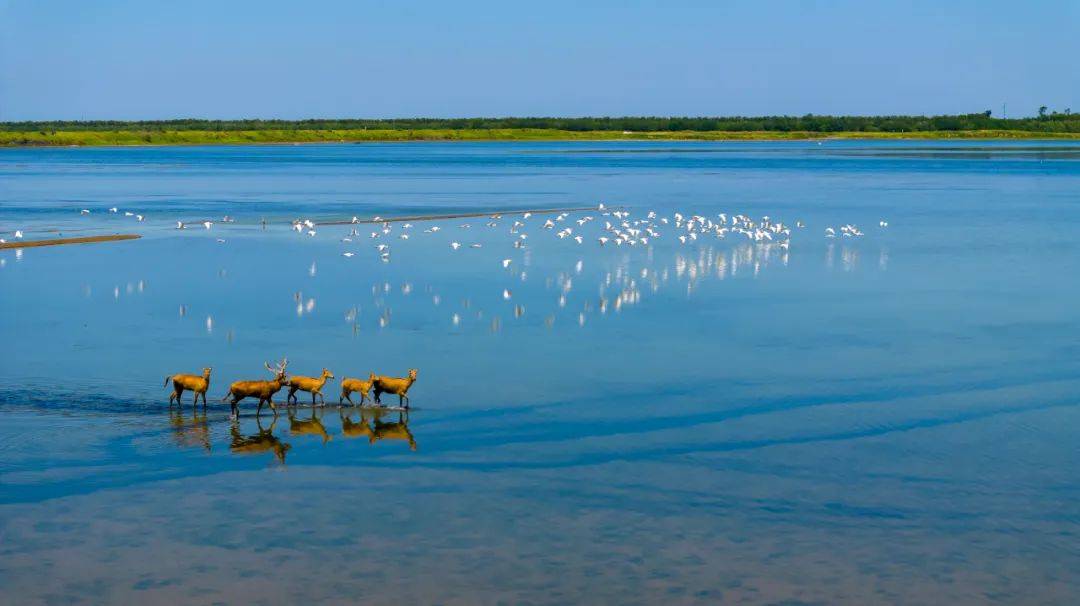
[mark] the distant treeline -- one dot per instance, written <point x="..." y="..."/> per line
<point x="1053" y="122"/>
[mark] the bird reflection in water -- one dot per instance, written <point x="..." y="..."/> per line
<point x="188" y="432"/>
<point x="372" y="426"/>
<point x="263" y="441"/>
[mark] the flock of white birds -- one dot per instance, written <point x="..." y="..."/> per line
<point x="620" y="228"/>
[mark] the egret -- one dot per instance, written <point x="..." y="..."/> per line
<point x="455" y="245"/>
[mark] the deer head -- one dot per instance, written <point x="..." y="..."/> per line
<point x="327" y="374"/>
<point x="412" y="374"/>
<point x="278" y="370"/>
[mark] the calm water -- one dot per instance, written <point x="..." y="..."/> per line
<point x="883" y="419"/>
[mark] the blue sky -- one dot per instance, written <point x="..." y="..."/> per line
<point x="131" y="59"/>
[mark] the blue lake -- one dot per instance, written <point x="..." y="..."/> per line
<point x="885" y="418"/>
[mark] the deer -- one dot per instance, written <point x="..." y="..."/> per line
<point x="308" y="384"/>
<point x="311" y="427"/>
<point x="351" y="429"/>
<point x="193" y="383"/>
<point x="261" y="442"/>
<point x="394" y="385"/>
<point x="264" y="390"/>
<point x="348" y="386"/>
<point x="394" y="431"/>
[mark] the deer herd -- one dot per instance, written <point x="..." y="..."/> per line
<point x="264" y="390"/>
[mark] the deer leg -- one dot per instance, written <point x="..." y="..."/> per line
<point x="313" y="399"/>
<point x="270" y="401"/>
<point x="292" y="395"/>
<point x="345" y="396"/>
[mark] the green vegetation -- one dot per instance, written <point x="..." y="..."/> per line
<point x="178" y="132"/>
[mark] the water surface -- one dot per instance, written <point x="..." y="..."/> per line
<point x="886" y="418"/>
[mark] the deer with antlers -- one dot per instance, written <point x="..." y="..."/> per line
<point x="264" y="390"/>
<point x="194" y="383"/>
<point x="396" y="386"/>
<point x="309" y="384"/>
<point x="350" y="386"/>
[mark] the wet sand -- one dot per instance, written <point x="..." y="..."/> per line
<point x="59" y="241"/>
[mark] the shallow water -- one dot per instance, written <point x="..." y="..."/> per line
<point x="886" y="418"/>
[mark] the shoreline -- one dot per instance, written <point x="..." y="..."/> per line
<point x="20" y="139"/>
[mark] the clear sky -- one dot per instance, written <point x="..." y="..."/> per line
<point x="144" y="59"/>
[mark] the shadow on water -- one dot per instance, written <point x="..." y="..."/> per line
<point x="194" y="430"/>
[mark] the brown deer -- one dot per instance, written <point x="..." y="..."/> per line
<point x="263" y="441"/>
<point x="264" y="390"/>
<point x="194" y="383"/>
<point x="394" y="431"/>
<point x="311" y="427"/>
<point x="357" y="429"/>
<point x="308" y="384"/>
<point x="349" y="386"/>
<point x="396" y="386"/>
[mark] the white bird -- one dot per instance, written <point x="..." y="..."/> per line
<point x="356" y="219"/>
<point x="506" y="263"/>
<point x="526" y="215"/>
<point x="180" y="225"/>
<point x="311" y="232"/>
<point x="377" y="219"/>
<point x="128" y="213"/>
<point x="435" y="228"/>
<point x="406" y="226"/>
<point x="18" y="234"/>
<point x="346" y="254"/>
<point x="830" y="232"/>
<point x="506" y="294"/>
<point x="600" y="206"/>
<point x="346" y="239"/>
<point x="475" y="245"/>
<point x="308" y="224"/>
<point x="455" y="245"/>
<point x="883" y="223"/>
<point x="298" y="227"/>
<point x="138" y="218"/>
<point x="84" y="212"/>
<point x="404" y="236"/>
<point x="602" y="240"/>
<point x="382" y="247"/>
<point x="113" y="209"/>
<point x="221" y="240"/>
<point x="577" y="239"/>
<point x="208" y="224"/>
<point x="549" y="224"/>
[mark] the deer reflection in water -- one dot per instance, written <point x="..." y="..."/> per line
<point x="263" y="441"/>
<point x="190" y="432"/>
<point x="379" y="430"/>
<point x="312" y="426"/>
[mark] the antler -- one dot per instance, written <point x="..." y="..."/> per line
<point x="284" y="363"/>
<point x="268" y="367"/>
